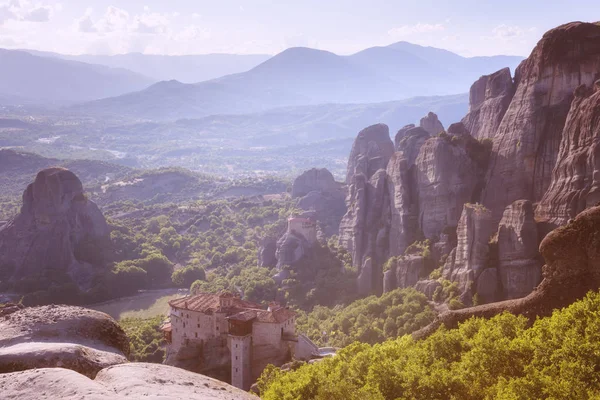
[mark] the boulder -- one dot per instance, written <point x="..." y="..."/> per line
<point x="526" y="143"/>
<point x="489" y="99"/>
<point x="59" y="237"/>
<point x="519" y="266"/>
<point x="575" y="183"/>
<point x="431" y="124"/>
<point x="470" y="257"/>
<point x="134" y="380"/>
<point x="61" y="336"/>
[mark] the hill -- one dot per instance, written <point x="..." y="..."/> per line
<point x="26" y="78"/>
<point x="304" y="76"/>
<point x="184" y="68"/>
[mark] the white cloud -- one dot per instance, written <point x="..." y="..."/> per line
<point x="24" y="10"/>
<point x="507" y="32"/>
<point x="117" y="20"/>
<point x="419" y="28"/>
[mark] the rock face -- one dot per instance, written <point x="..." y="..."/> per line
<point x="402" y="190"/>
<point x="318" y="192"/>
<point x="527" y="140"/>
<point x="470" y="258"/>
<point x="291" y="248"/>
<point x="518" y="260"/>
<point x="363" y="229"/>
<point x="401" y="133"/>
<point x="127" y="381"/>
<point x="575" y="183"/>
<point x="370" y="152"/>
<point x="572" y="255"/>
<point x="489" y="99"/>
<point x="59" y="236"/>
<point x="267" y="252"/>
<point x="61" y="336"/>
<point x="447" y="178"/>
<point x="431" y="124"/>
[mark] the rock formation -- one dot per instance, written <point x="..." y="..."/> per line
<point x="489" y="98"/>
<point x="447" y="178"/>
<point x="291" y="247"/>
<point x="127" y="381"/>
<point x="59" y="236"/>
<point x="575" y="183"/>
<point x="401" y="133"/>
<point x="61" y="336"/>
<point x="402" y="190"/>
<point x="431" y="124"/>
<point x="470" y="258"/>
<point x="267" y="252"/>
<point x="519" y="267"/>
<point x="572" y="255"/>
<point x="317" y="191"/>
<point x="363" y="230"/>
<point x="527" y="140"/>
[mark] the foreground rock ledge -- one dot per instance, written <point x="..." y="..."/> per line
<point x="126" y="381"/>
<point x="76" y="338"/>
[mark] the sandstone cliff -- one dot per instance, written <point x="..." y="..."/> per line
<point x="59" y="236"/>
<point x="363" y="229"/>
<point x="489" y="99"/>
<point x="527" y="141"/>
<point x="575" y="183"/>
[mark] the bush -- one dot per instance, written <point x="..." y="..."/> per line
<point x="186" y="276"/>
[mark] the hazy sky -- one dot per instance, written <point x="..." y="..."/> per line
<point x="468" y="27"/>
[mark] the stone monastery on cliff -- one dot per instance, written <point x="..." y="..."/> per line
<point x="255" y="337"/>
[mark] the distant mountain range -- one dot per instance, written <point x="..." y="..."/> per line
<point x="29" y="79"/>
<point x="303" y="76"/>
<point x="186" y="68"/>
<point x="296" y="76"/>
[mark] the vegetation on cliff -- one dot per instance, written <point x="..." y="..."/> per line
<point x="499" y="358"/>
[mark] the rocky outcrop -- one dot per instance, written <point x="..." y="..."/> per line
<point x="59" y="236"/>
<point x="315" y="179"/>
<point x="431" y="124"/>
<point x="527" y="141"/>
<point x="61" y="336"/>
<point x="572" y="255"/>
<point x="519" y="266"/>
<point x="370" y="152"/>
<point x="489" y="99"/>
<point x="127" y="381"/>
<point x="401" y="134"/>
<point x="291" y="247"/>
<point x="267" y="252"/>
<point x="447" y="178"/>
<point x="317" y="191"/>
<point x="428" y="287"/>
<point x="470" y="258"/>
<point x="575" y="183"/>
<point x="364" y="227"/>
<point x="402" y="190"/>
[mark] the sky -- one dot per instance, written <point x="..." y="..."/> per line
<point x="175" y="27"/>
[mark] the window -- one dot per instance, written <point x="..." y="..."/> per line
<point x="236" y="370"/>
<point x="236" y="357"/>
<point x="184" y="324"/>
<point x="196" y="334"/>
<point x="217" y="328"/>
<point x="236" y="346"/>
<point x="198" y="325"/>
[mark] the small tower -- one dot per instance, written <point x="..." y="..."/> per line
<point x="241" y="361"/>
